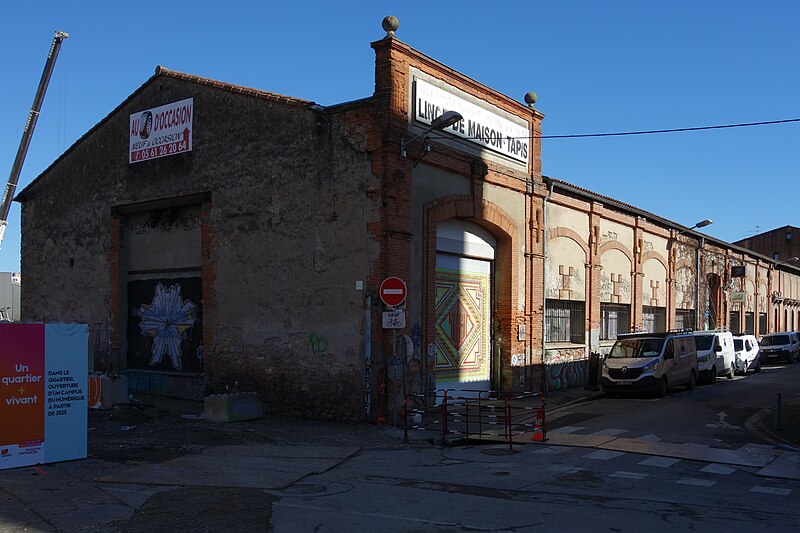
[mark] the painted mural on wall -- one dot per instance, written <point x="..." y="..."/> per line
<point x="462" y="311"/>
<point x="164" y="325"/>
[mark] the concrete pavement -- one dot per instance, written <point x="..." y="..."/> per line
<point x="107" y="492"/>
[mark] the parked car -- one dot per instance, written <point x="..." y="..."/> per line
<point x="715" y="355"/>
<point x="746" y="353"/>
<point x="650" y="362"/>
<point x="783" y="346"/>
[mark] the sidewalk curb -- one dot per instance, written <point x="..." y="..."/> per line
<point x="755" y="426"/>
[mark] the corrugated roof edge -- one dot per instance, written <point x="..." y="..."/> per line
<point x="650" y="216"/>
<point x="162" y="71"/>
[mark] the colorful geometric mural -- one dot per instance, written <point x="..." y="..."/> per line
<point x="462" y="345"/>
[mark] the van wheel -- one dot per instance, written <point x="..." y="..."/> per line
<point x="731" y="372"/>
<point x="663" y="386"/>
<point x="713" y="377"/>
<point x="692" y="381"/>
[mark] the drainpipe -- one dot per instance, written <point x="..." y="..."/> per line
<point x="550" y="185"/>
<point x="368" y="358"/>
<point x="699" y="323"/>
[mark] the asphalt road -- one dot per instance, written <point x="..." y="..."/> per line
<point x="150" y="470"/>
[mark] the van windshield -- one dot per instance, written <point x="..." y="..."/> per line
<point x="703" y="342"/>
<point x="775" y="340"/>
<point x="631" y="348"/>
<point x="738" y="345"/>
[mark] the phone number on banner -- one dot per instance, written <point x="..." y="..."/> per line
<point x="159" y="151"/>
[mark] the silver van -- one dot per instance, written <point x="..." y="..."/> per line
<point x="651" y="362"/>
<point x="715" y="355"/>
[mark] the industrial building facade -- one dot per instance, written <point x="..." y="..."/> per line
<point x="235" y="239"/>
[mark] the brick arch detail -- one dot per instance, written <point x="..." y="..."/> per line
<point x="614" y="245"/>
<point x="658" y="257"/>
<point x="569" y="234"/>
<point x="506" y="267"/>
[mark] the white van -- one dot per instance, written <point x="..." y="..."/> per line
<point x="650" y="362"/>
<point x="715" y="354"/>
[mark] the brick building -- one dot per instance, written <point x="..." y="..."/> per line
<point x="251" y="256"/>
<point x="780" y="244"/>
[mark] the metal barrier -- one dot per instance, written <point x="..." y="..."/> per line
<point x="476" y="415"/>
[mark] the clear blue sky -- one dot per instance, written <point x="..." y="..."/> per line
<point x="597" y="67"/>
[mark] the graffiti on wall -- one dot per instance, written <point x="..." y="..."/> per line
<point x="163" y="221"/>
<point x="164" y="329"/>
<point x="565" y="372"/>
<point x="317" y="344"/>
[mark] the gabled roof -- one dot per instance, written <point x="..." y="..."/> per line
<point x="191" y="78"/>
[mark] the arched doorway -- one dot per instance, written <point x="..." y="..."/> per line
<point x="464" y="296"/>
<point x="713" y="302"/>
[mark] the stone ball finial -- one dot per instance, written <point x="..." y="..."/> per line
<point x="530" y="98"/>
<point x="390" y="25"/>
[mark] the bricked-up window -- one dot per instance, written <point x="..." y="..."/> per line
<point x="749" y="323"/>
<point x="684" y="319"/>
<point x="762" y="323"/>
<point x="564" y="321"/>
<point x="614" y="319"/>
<point x="735" y="329"/>
<point x="654" y="319"/>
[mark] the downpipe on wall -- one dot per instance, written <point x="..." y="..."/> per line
<point x="549" y="183"/>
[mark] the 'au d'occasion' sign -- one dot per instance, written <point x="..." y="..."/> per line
<point x="161" y="131"/>
<point x="480" y="126"/>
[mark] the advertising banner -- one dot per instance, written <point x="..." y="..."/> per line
<point x="43" y="387"/>
<point x="161" y="131"/>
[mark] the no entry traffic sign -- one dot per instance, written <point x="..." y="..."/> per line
<point x="393" y="291"/>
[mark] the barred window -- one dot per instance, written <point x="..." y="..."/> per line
<point x="564" y="321"/>
<point x="654" y="319"/>
<point x="735" y="327"/>
<point x="614" y="319"/>
<point x="749" y="323"/>
<point x="684" y="319"/>
<point x="762" y="323"/>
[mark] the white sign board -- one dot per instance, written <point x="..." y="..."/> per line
<point x="517" y="359"/>
<point x="394" y="319"/>
<point x="480" y="126"/>
<point x="161" y="131"/>
<point x="738" y="296"/>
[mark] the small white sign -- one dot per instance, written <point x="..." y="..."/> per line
<point x="161" y="131"/>
<point x="480" y="126"/>
<point x="518" y="359"/>
<point x="739" y="296"/>
<point x="394" y="319"/>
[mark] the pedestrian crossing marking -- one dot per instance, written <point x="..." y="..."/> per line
<point x="660" y="462"/>
<point x="771" y="490"/>
<point x="714" y="468"/>
<point x="696" y="482"/>
<point x="610" y="432"/>
<point x="604" y="455"/>
<point x="628" y="475"/>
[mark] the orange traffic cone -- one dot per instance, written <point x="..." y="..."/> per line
<point x="538" y="426"/>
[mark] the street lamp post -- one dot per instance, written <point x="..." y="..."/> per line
<point x="701" y="224"/>
<point x="443" y="121"/>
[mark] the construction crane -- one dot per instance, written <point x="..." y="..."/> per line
<point x="8" y="194"/>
